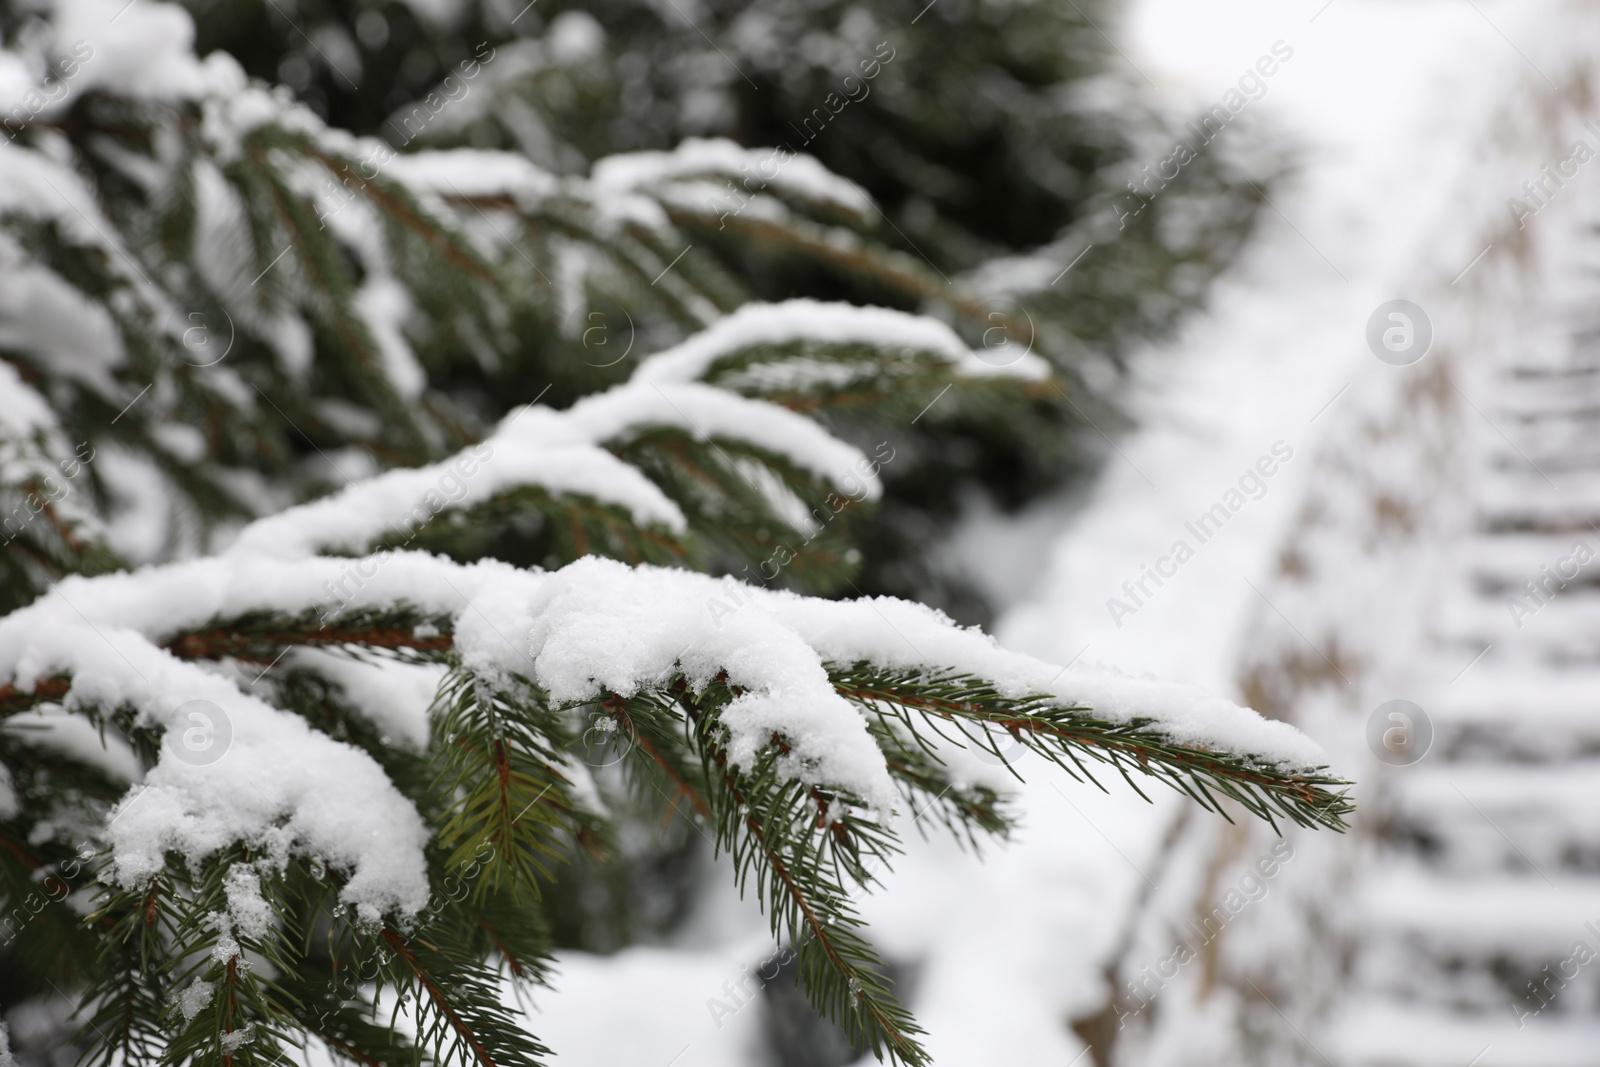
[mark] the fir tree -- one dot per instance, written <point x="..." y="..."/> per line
<point x="355" y="587"/>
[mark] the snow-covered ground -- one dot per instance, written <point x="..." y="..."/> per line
<point x="1387" y="100"/>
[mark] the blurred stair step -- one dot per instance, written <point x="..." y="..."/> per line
<point x="1388" y="1035"/>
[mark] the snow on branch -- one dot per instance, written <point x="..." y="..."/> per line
<point x="480" y="175"/>
<point x="562" y="452"/>
<point x="824" y="329"/>
<point x="598" y="626"/>
<point x="712" y="163"/>
<point x="141" y="51"/>
<point x="601" y="627"/>
<point x="395" y="504"/>
<point x="902" y="635"/>
<point x="474" y="172"/>
<point x="593" y="629"/>
<point x="284" y="786"/>
<point x="277" y="785"/>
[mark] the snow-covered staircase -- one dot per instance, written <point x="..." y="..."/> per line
<point x="1448" y="554"/>
<point x="1480" y="939"/>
